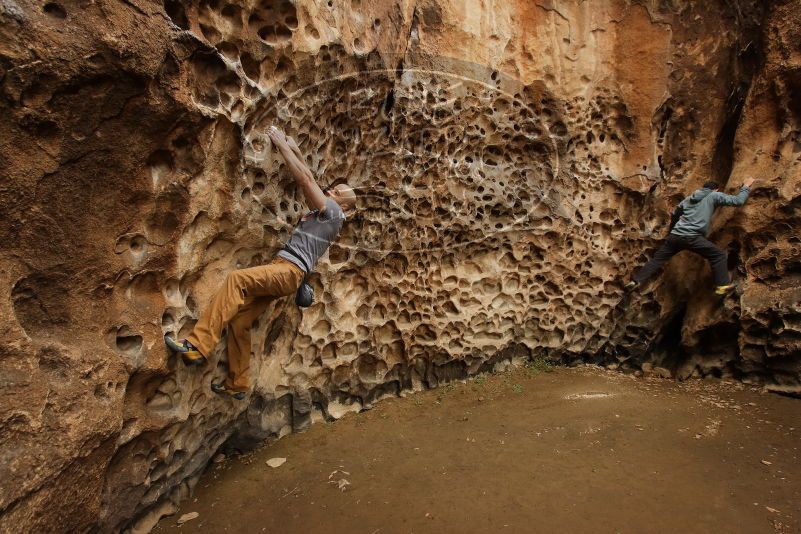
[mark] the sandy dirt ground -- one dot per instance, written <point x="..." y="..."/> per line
<point x="572" y="450"/>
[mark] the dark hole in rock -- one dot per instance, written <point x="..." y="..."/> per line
<point x="55" y="10"/>
<point x="389" y="101"/>
<point x="251" y="66"/>
<point x="175" y="10"/>
<point x="668" y="345"/>
<point x="211" y="34"/>
<point x="47" y="129"/>
<point x="733" y="259"/>
<point x="229" y="50"/>
<point x="129" y="343"/>
<point x="231" y="11"/>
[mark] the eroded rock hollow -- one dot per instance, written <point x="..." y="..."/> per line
<point x="516" y="160"/>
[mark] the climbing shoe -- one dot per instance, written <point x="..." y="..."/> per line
<point x="221" y="389"/>
<point x="722" y="291"/>
<point x="189" y="353"/>
<point x="631" y="286"/>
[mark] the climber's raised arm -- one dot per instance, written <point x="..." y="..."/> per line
<point x="314" y="196"/>
<point x="722" y="199"/>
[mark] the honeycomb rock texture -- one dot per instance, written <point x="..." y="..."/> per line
<point x="517" y="160"/>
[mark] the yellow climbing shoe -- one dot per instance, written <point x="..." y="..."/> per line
<point x="189" y="353"/>
<point x="722" y="291"/>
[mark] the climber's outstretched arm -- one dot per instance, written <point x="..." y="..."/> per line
<point x="295" y="148"/>
<point x="314" y="196"/>
<point x="722" y="199"/>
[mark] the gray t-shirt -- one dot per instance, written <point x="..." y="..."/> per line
<point x="313" y="235"/>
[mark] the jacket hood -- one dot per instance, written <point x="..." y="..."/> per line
<point x="699" y="195"/>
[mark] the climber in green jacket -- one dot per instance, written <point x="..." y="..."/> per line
<point x="688" y="229"/>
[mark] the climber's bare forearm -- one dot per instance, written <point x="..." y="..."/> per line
<point x="314" y="196"/>
<point x="298" y="169"/>
<point x="304" y="178"/>
<point x="295" y="148"/>
<point x="293" y="145"/>
<point x="301" y="161"/>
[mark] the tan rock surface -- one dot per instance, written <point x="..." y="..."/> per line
<point x="516" y="160"/>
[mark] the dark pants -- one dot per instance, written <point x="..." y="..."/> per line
<point x="698" y="244"/>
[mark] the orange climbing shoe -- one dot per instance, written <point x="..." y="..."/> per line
<point x="722" y="291"/>
<point x="221" y="389"/>
<point x="189" y="353"/>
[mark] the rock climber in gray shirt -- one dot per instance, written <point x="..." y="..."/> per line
<point x="688" y="230"/>
<point x="246" y="293"/>
<point x="315" y="232"/>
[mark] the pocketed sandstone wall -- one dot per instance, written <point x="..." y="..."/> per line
<point x="515" y="160"/>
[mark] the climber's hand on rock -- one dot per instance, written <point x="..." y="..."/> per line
<point x="276" y="136"/>
<point x="748" y="182"/>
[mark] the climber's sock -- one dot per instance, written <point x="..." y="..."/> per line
<point x="189" y="353"/>
<point x="724" y="290"/>
<point x="221" y="389"/>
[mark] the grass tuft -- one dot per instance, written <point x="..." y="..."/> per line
<point x="538" y="364"/>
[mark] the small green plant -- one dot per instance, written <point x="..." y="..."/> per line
<point x="480" y="379"/>
<point x="517" y="388"/>
<point x="538" y="364"/>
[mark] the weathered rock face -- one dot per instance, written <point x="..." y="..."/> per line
<point x="515" y="159"/>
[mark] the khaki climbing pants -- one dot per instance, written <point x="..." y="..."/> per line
<point x="242" y="298"/>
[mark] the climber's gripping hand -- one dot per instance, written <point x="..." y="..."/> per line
<point x="276" y="136"/>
